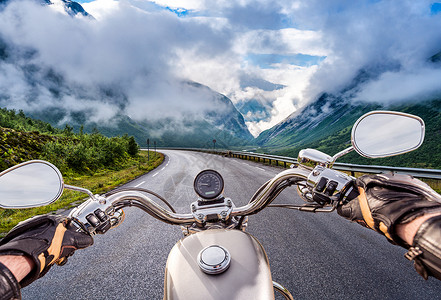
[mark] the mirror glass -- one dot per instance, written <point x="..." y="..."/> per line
<point x="31" y="184"/>
<point x="383" y="134"/>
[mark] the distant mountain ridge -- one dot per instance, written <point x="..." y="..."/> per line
<point x="72" y="8"/>
<point x="330" y="113"/>
<point x="427" y="156"/>
<point x="218" y="119"/>
<point x="226" y="126"/>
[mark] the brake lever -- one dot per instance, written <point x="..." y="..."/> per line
<point x="310" y="207"/>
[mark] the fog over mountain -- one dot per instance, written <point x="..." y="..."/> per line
<point x="393" y="39"/>
<point x="82" y="72"/>
<point x="382" y="55"/>
<point x="270" y="57"/>
<point x="92" y="59"/>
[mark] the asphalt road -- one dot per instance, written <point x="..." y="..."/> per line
<point x="315" y="256"/>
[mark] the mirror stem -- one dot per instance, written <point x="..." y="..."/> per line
<point x="78" y="189"/>
<point x="340" y="154"/>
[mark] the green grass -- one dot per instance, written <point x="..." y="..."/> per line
<point x="98" y="183"/>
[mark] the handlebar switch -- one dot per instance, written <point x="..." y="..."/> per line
<point x="93" y="220"/>
<point x="332" y="186"/>
<point x="320" y="187"/>
<point x="100" y="215"/>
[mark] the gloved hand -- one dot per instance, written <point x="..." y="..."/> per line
<point x="387" y="200"/>
<point x="46" y="239"/>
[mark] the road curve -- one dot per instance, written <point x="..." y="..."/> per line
<point x="315" y="256"/>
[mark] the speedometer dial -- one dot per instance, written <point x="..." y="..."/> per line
<point x="208" y="184"/>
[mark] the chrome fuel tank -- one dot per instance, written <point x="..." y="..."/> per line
<point x="248" y="276"/>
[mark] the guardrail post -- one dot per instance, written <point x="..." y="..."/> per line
<point x="284" y="164"/>
<point x="269" y="160"/>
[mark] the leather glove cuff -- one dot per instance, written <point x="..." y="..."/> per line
<point x="399" y="198"/>
<point x="426" y="249"/>
<point x="9" y="287"/>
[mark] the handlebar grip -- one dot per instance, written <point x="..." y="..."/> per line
<point x="350" y="193"/>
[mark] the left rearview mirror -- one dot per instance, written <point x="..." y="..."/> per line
<point x="30" y="184"/>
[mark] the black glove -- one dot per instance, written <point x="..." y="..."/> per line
<point x="386" y="200"/>
<point x="46" y="239"/>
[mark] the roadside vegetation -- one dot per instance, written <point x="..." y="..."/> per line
<point x="91" y="161"/>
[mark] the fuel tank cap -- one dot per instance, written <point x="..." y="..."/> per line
<point x="214" y="259"/>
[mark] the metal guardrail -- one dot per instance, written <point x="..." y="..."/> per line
<point x="287" y="161"/>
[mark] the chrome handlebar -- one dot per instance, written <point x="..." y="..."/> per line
<point x="89" y="215"/>
<point x="264" y="198"/>
<point x="155" y="209"/>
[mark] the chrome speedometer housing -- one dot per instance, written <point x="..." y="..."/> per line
<point x="208" y="184"/>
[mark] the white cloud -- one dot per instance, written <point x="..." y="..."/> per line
<point x="391" y="87"/>
<point x="188" y="4"/>
<point x="99" y="9"/>
<point x="378" y="37"/>
<point x="128" y="52"/>
<point x="287" y="100"/>
<point x="282" y="41"/>
<point x="142" y="51"/>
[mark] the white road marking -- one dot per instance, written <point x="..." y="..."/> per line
<point x="140" y="184"/>
<point x="159" y="170"/>
<point x="260" y="169"/>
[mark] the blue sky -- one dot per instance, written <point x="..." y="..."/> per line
<point x="435" y="8"/>
<point x="268" y="61"/>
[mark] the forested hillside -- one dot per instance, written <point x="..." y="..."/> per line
<point x="427" y="156"/>
<point x="92" y="161"/>
<point x="23" y="138"/>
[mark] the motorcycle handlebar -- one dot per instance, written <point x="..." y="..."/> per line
<point x="257" y="203"/>
<point x="120" y="199"/>
<point x="151" y="207"/>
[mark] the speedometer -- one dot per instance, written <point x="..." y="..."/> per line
<point x="208" y="184"/>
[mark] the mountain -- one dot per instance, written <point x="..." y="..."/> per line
<point x="72" y="8"/>
<point x="329" y="130"/>
<point x="427" y="156"/>
<point x="314" y="122"/>
<point x="325" y="124"/>
<point x="328" y="114"/>
<point x="211" y="116"/>
<point x="222" y="123"/>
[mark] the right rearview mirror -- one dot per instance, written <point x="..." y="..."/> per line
<point x="387" y="133"/>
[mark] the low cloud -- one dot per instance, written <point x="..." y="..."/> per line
<point x="392" y="41"/>
<point x="421" y="84"/>
<point x="121" y="63"/>
<point x="136" y="56"/>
